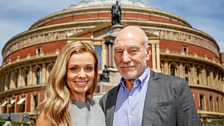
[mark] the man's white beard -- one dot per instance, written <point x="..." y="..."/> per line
<point x="133" y="74"/>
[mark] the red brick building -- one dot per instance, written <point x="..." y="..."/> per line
<point x="177" y="49"/>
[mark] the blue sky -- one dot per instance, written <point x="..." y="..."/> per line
<point x="17" y="16"/>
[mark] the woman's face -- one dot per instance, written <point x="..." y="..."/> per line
<point x="80" y="73"/>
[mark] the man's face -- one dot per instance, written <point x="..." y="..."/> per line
<point x="130" y="55"/>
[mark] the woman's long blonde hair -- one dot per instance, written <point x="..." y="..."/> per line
<point x="57" y="95"/>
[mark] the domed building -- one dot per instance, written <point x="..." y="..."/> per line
<point x="177" y="49"/>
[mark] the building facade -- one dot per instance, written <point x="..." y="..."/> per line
<point x="177" y="49"/>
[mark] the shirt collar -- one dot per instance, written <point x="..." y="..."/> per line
<point x="143" y="78"/>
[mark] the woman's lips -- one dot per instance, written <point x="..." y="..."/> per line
<point x="81" y="83"/>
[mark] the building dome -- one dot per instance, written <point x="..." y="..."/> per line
<point x="177" y="49"/>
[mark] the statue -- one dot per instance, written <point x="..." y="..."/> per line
<point x="116" y="14"/>
<point x="105" y="75"/>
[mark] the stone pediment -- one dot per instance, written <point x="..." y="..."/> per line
<point x="98" y="31"/>
<point x="152" y="36"/>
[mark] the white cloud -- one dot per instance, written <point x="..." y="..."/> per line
<point x="33" y="5"/>
<point x="212" y="26"/>
<point x="18" y="16"/>
<point x="8" y="30"/>
<point x="207" y="17"/>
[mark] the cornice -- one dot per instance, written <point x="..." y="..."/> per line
<point x="27" y="60"/>
<point x="200" y="112"/>
<point x="21" y="90"/>
<point x="207" y="88"/>
<point x="86" y="39"/>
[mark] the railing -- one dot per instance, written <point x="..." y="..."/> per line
<point x="212" y="123"/>
<point x="191" y="56"/>
<point x="42" y="55"/>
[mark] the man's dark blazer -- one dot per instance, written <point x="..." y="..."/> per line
<point x="168" y="102"/>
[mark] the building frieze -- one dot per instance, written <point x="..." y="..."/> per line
<point x="39" y="39"/>
<point x="173" y="35"/>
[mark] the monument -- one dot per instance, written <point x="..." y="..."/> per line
<point x="116" y="14"/>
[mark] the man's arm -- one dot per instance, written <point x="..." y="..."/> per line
<point x="102" y="104"/>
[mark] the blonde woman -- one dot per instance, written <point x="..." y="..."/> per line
<point x="72" y="81"/>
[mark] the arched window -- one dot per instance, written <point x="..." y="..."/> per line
<point x="219" y="79"/>
<point x="186" y="73"/>
<point x="7" y="81"/>
<point x="37" y="74"/>
<point x="211" y="103"/>
<point x="217" y="103"/>
<point x="201" y="102"/>
<point x="207" y="77"/>
<point x="214" y="79"/>
<point x="35" y="98"/>
<point x="26" y="76"/>
<point x="2" y="84"/>
<point x="172" y="70"/>
<point x="198" y="75"/>
<point x="16" y="78"/>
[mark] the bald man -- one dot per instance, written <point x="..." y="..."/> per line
<point x="143" y="97"/>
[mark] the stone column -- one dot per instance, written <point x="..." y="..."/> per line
<point x="220" y="82"/>
<point x="107" y="55"/>
<point x="43" y="74"/>
<point x="153" y="56"/>
<point x="109" y="48"/>
<point x="11" y="82"/>
<point x="203" y="77"/>
<point x="104" y="54"/>
<point x="109" y="40"/>
<point x="1" y="84"/>
<point x="166" y="67"/>
<point x="110" y="55"/>
<point x="30" y="78"/>
<point x="31" y="103"/>
<point x="181" y="70"/>
<point x="216" y="81"/>
<point x="199" y="76"/>
<point x="211" y="79"/>
<point x="6" y="82"/>
<point x="20" y="80"/>
<point x="158" y="57"/>
<point x="193" y="75"/>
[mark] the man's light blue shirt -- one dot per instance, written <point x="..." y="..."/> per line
<point x="130" y="104"/>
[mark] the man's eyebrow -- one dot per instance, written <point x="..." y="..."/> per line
<point x="133" y="47"/>
<point x="117" y="48"/>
